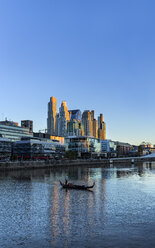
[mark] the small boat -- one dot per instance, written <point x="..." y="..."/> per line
<point x="74" y="186"/>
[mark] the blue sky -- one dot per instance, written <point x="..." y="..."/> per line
<point x="95" y="54"/>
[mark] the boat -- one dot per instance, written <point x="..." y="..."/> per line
<point x="74" y="186"/>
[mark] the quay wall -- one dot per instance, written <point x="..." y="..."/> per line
<point x="18" y="165"/>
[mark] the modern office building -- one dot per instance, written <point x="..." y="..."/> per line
<point x="33" y="148"/>
<point x="75" y="128"/>
<point x="52" y="112"/>
<point x="5" y="148"/>
<point x="27" y="124"/>
<point x="12" y="131"/>
<point x="84" y="145"/>
<point x="109" y="147"/>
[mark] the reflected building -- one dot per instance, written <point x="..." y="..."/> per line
<point x="69" y="209"/>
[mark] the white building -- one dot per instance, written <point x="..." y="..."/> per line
<point x="109" y="147"/>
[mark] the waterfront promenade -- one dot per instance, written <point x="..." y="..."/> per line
<point x="18" y="165"/>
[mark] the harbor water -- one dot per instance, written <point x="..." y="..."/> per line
<point x="118" y="212"/>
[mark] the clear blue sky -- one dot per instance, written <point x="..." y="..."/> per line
<point x="95" y="54"/>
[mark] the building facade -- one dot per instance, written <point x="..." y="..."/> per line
<point x="5" y="148"/>
<point x="38" y="149"/>
<point x="75" y="128"/>
<point x="123" y="149"/>
<point x="27" y="124"/>
<point x="75" y="114"/>
<point x="109" y="147"/>
<point x="52" y="112"/>
<point x="95" y="128"/>
<point x="101" y="128"/>
<point x="83" y="145"/>
<point x="87" y="123"/>
<point x="71" y="123"/>
<point x="64" y="118"/>
<point x="12" y="131"/>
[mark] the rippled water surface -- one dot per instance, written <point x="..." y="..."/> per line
<point x="119" y="212"/>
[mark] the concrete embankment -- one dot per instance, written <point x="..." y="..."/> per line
<point x="18" y="165"/>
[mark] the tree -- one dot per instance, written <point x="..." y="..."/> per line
<point x="71" y="154"/>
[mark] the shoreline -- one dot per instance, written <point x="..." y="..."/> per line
<point x="24" y="165"/>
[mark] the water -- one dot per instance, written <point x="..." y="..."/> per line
<point x="119" y="212"/>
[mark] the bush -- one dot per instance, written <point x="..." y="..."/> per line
<point x="71" y="154"/>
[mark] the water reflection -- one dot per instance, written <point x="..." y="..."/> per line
<point x="79" y="173"/>
<point x="36" y="212"/>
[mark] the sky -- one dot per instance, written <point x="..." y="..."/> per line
<point x="95" y="54"/>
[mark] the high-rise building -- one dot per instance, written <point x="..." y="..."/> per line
<point x="64" y="117"/>
<point x="101" y="128"/>
<point x="69" y="122"/>
<point x="92" y="115"/>
<point x="57" y="124"/>
<point x="100" y="120"/>
<point x="87" y="123"/>
<point x="52" y="112"/>
<point x="94" y="125"/>
<point x="95" y="128"/>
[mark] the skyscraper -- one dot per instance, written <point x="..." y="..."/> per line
<point x="95" y="128"/>
<point x="94" y="125"/>
<point x="64" y="117"/>
<point x="87" y="123"/>
<point x="101" y="128"/>
<point x="51" y="120"/>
